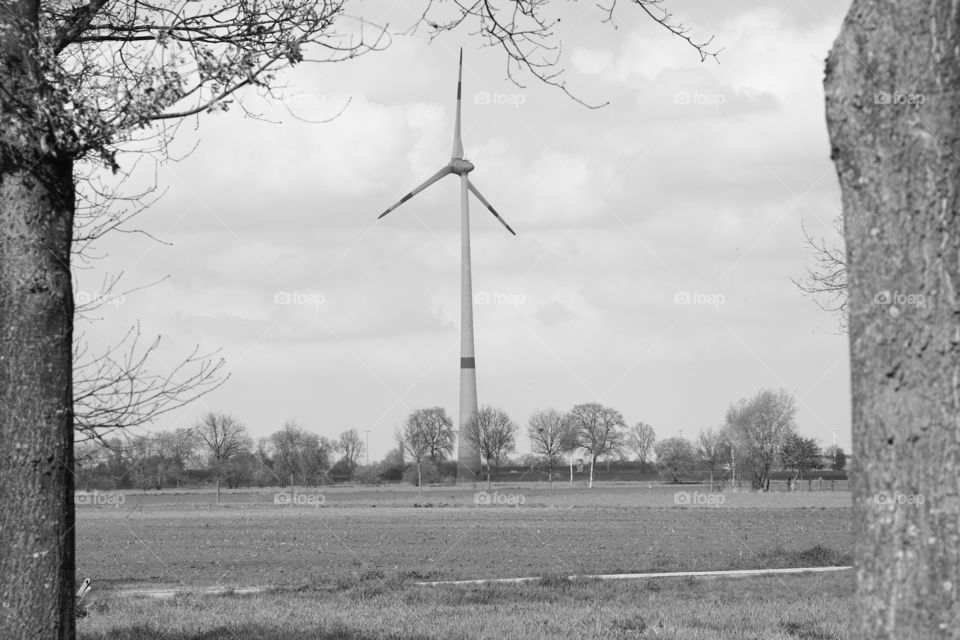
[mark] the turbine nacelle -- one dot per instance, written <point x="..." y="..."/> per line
<point x="460" y="166"/>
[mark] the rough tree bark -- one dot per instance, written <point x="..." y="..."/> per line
<point x="36" y="348"/>
<point x="893" y="113"/>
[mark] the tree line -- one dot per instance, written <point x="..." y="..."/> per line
<point x="218" y="448"/>
<point x="758" y="436"/>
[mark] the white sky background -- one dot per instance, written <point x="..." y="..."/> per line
<point x="617" y="210"/>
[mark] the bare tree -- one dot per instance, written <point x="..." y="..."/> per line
<point x="351" y="445"/>
<point x="760" y="426"/>
<point x="292" y="452"/>
<point x="527" y="36"/>
<point x="161" y="459"/>
<point x="826" y="280"/>
<point x="316" y="455"/>
<point x="711" y="449"/>
<point x="123" y="386"/>
<point x="435" y="428"/>
<point x="413" y="440"/>
<point x="491" y="433"/>
<point x="676" y="456"/>
<point x="286" y="447"/>
<point x="599" y="429"/>
<point x="640" y="439"/>
<point x="183" y="444"/>
<point x="547" y="431"/>
<point x="570" y="441"/>
<point x="224" y="438"/>
<point x="116" y="391"/>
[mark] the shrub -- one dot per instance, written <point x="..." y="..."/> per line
<point x="444" y="472"/>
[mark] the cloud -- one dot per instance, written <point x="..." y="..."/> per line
<point x="553" y="313"/>
<point x="591" y="61"/>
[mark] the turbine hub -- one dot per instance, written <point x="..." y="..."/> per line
<point x="460" y="166"/>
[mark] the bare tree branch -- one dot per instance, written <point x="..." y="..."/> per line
<point x="826" y="280"/>
<point x="522" y="31"/>
<point x="116" y="390"/>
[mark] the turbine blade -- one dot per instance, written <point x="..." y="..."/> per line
<point x="429" y="181"/>
<point x="457" y="142"/>
<point x="496" y="215"/>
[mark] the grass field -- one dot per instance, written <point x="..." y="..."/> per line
<point x="343" y="563"/>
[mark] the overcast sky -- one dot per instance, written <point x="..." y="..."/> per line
<point x="694" y="180"/>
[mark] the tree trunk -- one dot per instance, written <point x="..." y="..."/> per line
<point x="488" y="476"/>
<point x="218" y="488"/>
<point x="36" y="351"/>
<point x="419" y="481"/>
<point x="36" y="420"/>
<point x="764" y="477"/>
<point x="734" y="478"/>
<point x="571" y="469"/>
<point x="592" y="462"/>
<point x="891" y="103"/>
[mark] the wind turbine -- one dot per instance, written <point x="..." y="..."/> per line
<point x="468" y="459"/>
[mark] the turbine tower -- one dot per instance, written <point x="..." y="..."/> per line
<point x="468" y="459"/>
